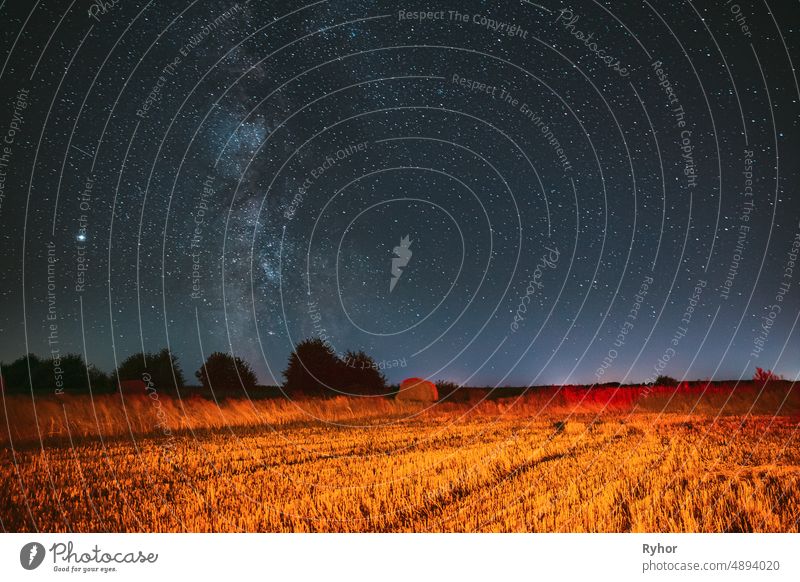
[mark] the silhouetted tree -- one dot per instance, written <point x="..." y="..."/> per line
<point x="160" y="366"/>
<point x="451" y="392"/>
<point x="64" y="374"/>
<point x="224" y="372"/>
<point x="18" y="374"/>
<point x="100" y="381"/>
<point x="314" y="369"/>
<point x="361" y="375"/>
<point x="69" y="374"/>
<point x="764" y="376"/>
<point x="666" y="381"/>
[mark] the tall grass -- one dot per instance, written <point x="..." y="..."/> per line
<point x="25" y="419"/>
<point x="109" y="415"/>
<point x="669" y="459"/>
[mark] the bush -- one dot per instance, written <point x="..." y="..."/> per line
<point x="666" y="381"/>
<point x="16" y="377"/>
<point x="67" y="374"/>
<point x="449" y="391"/>
<point x="360" y="375"/>
<point x="765" y="376"/>
<point x="162" y="367"/>
<point x="314" y="369"/>
<point x="223" y="372"/>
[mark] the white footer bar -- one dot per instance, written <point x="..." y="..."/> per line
<point x="389" y="557"/>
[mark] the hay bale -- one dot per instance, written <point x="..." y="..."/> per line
<point x="418" y="390"/>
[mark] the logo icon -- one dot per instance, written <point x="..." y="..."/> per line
<point x="402" y="256"/>
<point x="31" y="555"/>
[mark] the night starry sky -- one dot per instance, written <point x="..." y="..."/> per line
<point x="584" y="197"/>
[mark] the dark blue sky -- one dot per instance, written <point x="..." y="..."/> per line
<point x="599" y="198"/>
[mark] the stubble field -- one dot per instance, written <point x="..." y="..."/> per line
<point x="717" y="463"/>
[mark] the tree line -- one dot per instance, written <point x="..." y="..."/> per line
<point x="313" y="370"/>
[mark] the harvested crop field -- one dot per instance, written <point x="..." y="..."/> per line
<point x="523" y="465"/>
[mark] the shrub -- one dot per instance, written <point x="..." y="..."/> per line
<point x="764" y="376"/>
<point x="67" y="374"/>
<point x="16" y="377"/>
<point x="163" y="368"/>
<point x="313" y="370"/>
<point x="666" y="381"/>
<point x="450" y="391"/>
<point x="223" y="372"/>
<point x="360" y="375"/>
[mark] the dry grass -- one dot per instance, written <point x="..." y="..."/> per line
<point x="726" y="459"/>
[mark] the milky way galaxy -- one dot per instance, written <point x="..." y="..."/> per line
<point x="495" y="193"/>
